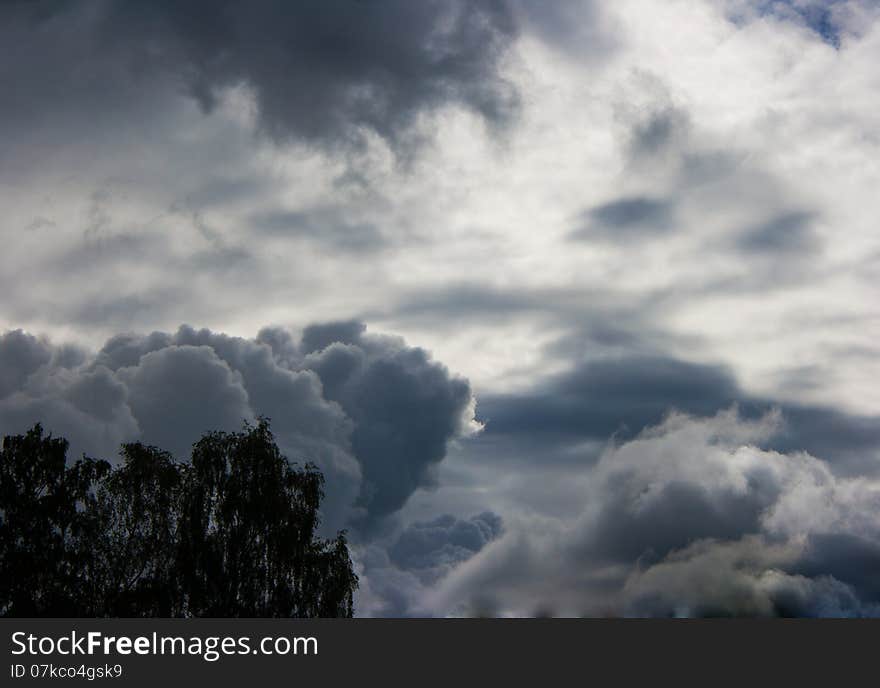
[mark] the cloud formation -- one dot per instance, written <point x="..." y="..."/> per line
<point x="619" y="395"/>
<point x="435" y="547"/>
<point x="323" y="73"/>
<point x="693" y="518"/>
<point x="596" y="226"/>
<point x="373" y="413"/>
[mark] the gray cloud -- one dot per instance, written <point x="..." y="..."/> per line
<point x="786" y="233"/>
<point x="691" y="518"/>
<point x="20" y="355"/>
<point x="324" y="73"/>
<point x="137" y="195"/>
<point x="658" y="131"/>
<point x="626" y="218"/>
<point x="129" y="309"/>
<point x="318" y="337"/>
<point x="323" y="227"/>
<point x="620" y="395"/>
<point x="578" y="28"/>
<point x="398" y="569"/>
<point x="740" y="578"/>
<point x="373" y="413"/>
<point x="405" y="409"/>
<point x="434" y="547"/>
<point x="168" y="393"/>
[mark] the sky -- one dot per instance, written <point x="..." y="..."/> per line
<point x="574" y="303"/>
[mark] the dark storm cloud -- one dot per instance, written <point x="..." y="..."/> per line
<point x="320" y="336"/>
<point x="373" y="413"/>
<point x="849" y="441"/>
<point x="320" y="72"/>
<point x="125" y="350"/>
<point x="679" y="513"/>
<point x="653" y="504"/>
<point x="405" y="412"/>
<point x="848" y="557"/>
<point x="626" y="218"/>
<point x="711" y="579"/>
<point x="168" y="390"/>
<point x="621" y="395"/>
<point x="20" y="355"/>
<point x="600" y="398"/>
<point x="398" y="570"/>
<point x="404" y="406"/>
<point x="821" y="558"/>
<point x="41" y="382"/>
<point x="433" y="547"/>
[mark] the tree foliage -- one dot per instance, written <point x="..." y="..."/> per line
<point x="231" y="533"/>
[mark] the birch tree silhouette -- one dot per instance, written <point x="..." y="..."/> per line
<point x="231" y="533"/>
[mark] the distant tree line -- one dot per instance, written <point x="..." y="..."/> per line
<point x="231" y="533"/>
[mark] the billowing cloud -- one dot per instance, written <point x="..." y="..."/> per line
<point x="167" y="389"/>
<point x="404" y="407"/>
<point x="742" y="578"/>
<point x="559" y="203"/>
<point x="179" y="391"/>
<point x="434" y="547"/>
<point x="20" y="355"/>
<point x="693" y="518"/>
<point x="399" y="569"/>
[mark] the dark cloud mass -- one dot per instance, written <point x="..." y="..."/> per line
<point x="20" y="355"/>
<point x="322" y="72"/>
<point x="621" y="395"/>
<point x="435" y="547"/>
<point x="614" y="395"/>
<point x="404" y="407"/>
<point x="377" y="425"/>
<point x="169" y="392"/>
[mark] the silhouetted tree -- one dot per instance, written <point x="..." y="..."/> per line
<point x="46" y="511"/>
<point x="232" y="533"/>
<point x="247" y="533"/>
<point x="133" y="538"/>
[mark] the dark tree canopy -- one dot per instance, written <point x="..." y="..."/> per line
<point x="231" y="533"/>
